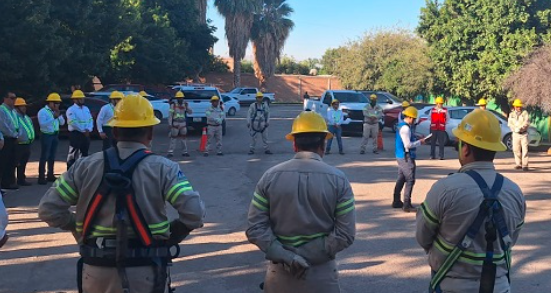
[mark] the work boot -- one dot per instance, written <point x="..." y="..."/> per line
<point x="185" y="154"/>
<point x="220" y="154"/>
<point x="267" y="152"/>
<point x="24" y="183"/>
<point x="205" y="154"/>
<point x="408" y="207"/>
<point x="362" y="152"/>
<point x="170" y="155"/>
<point x="518" y="167"/>
<point x="397" y="204"/>
<point x="251" y="152"/>
<point x="51" y="178"/>
<point x="525" y="169"/>
<point x="42" y="181"/>
<point x="341" y="152"/>
<point x="376" y="152"/>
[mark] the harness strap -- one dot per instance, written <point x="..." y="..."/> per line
<point x="255" y="130"/>
<point x="491" y="208"/>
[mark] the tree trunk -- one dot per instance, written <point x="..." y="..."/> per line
<point x="236" y="72"/>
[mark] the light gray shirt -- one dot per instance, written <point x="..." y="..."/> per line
<point x="9" y="125"/>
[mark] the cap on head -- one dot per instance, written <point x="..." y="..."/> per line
<point x="410" y="112"/>
<point x="116" y="95"/>
<point x="78" y="94"/>
<point x="133" y="111"/>
<point x="53" y="97"/>
<point x="517" y="103"/>
<point x="480" y="129"/>
<point x="309" y="122"/>
<point x="214" y="98"/>
<point x="20" y="102"/>
<point x="179" y="95"/>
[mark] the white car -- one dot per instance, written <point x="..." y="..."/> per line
<point x="455" y="114"/>
<point x="160" y="106"/>
<point x="231" y="105"/>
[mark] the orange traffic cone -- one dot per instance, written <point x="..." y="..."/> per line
<point x="380" y="141"/>
<point x="203" y="144"/>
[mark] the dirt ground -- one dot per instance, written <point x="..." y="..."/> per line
<point x="217" y="258"/>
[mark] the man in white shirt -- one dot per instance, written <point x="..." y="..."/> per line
<point x="335" y="118"/>
<point x="49" y="119"/>
<point x="105" y="114"/>
<point x="81" y="124"/>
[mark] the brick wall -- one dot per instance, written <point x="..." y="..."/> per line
<point x="287" y="88"/>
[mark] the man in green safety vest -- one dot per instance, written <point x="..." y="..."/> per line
<point x="9" y="126"/>
<point x="26" y="138"/>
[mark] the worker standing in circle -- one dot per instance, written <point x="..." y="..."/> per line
<point x="258" y="121"/>
<point x="519" y="121"/>
<point x="105" y="115"/>
<point x="372" y="115"/>
<point x="50" y="119"/>
<point x="482" y="104"/>
<point x="80" y="123"/>
<point x="178" y="125"/>
<point x="25" y="140"/>
<point x="215" y="119"/>
<point x="335" y="119"/>
<point x="438" y="121"/>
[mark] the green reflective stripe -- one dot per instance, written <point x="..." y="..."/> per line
<point x="172" y="192"/>
<point x="64" y="195"/>
<point x="260" y="202"/>
<point x="66" y="192"/>
<point x="520" y="225"/>
<point x="259" y="206"/>
<point x="343" y="204"/>
<point x="28" y="129"/>
<point x="346" y="211"/>
<point x="103" y="228"/>
<point x="261" y="198"/>
<point x="429" y="215"/>
<point x="161" y="224"/>
<point x="56" y="121"/>
<point x="13" y="117"/>
<point x="467" y="256"/>
<point x="445" y="268"/>
<point x="66" y="185"/>
<point x="344" y="207"/>
<point x="299" y="239"/>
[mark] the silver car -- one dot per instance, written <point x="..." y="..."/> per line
<point x="455" y="114"/>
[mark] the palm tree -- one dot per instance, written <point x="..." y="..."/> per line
<point x="202" y="8"/>
<point x="270" y="30"/>
<point x="239" y="15"/>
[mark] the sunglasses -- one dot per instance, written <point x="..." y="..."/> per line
<point x="12" y="98"/>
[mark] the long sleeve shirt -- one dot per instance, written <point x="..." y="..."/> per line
<point x="405" y="134"/>
<point x="372" y="114"/>
<point x="48" y="123"/>
<point x="334" y="117"/>
<point x="79" y="119"/>
<point x="9" y="124"/>
<point x="448" y="211"/>
<point x="215" y="116"/>
<point x="519" y="122"/>
<point x="26" y="129"/>
<point x="300" y="200"/>
<point x="258" y="113"/>
<point x="106" y="113"/>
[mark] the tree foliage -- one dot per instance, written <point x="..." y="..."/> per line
<point x="476" y="43"/>
<point x="289" y="65"/>
<point x="393" y="60"/>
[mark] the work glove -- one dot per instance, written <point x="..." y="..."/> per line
<point x="178" y="232"/>
<point x="295" y="264"/>
<point x="314" y="252"/>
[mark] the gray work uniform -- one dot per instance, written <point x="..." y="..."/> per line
<point x="372" y="116"/>
<point x="178" y="126"/>
<point x="156" y="180"/>
<point x="295" y="202"/>
<point x="448" y="211"/>
<point x="258" y="117"/>
<point x="215" y="118"/>
<point x="519" y="123"/>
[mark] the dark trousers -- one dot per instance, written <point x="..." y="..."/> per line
<point x="406" y="176"/>
<point x="48" y="144"/>
<point x="8" y="162"/>
<point x="337" y="133"/>
<point x="23" y="152"/>
<point x="78" y="147"/>
<point x="440" y="136"/>
<point x="110" y="141"/>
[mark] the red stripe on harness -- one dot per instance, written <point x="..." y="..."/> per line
<point x="137" y="221"/>
<point x="91" y="213"/>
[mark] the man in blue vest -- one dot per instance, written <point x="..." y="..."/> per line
<point x="406" y="144"/>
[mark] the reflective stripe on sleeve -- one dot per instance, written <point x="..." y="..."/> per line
<point x="67" y="193"/>
<point x="344" y="207"/>
<point x="178" y="189"/>
<point x="260" y="202"/>
<point x="429" y="215"/>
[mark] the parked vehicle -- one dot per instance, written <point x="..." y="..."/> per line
<point x="162" y="92"/>
<point x="94" y="104"/>
<point x="351" y="102"/>
<point x="247" y="95"/>
<point x="161" y="107"/>
<point x="455" y="114"/>
<point x="391" y="115"/>
<point x="384" y="99"/>
<point x="198" y="99"/>
<point x="231" y="105"/>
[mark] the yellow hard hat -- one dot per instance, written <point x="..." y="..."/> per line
<point x="373" y="96"/>
<point x="78" y="94"/>
<point x="179" y="95"/>
<point x="116" y="95"/>
<point x="482" y="102"/>
<point x="439" y="100"/>
<point x="405" y="104"/>
<point x="481" y="129"/>
<point x="133" y="111"/>
<point x="309" y="122"/>
<point x="54" y="97"/>
<point x="410" y="112"/>
<point x="517" y="103"/>
<point x="214" y="98"/>
<point x="334" y="101"/>
<point x="143" y="94"/>
<point x="259" y="95"/>
<point x="20" y="102"/>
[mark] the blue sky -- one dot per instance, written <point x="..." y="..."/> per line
<point x="324" y="24"/>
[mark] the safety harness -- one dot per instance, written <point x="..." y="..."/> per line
<point x="491" y="214"/>
<point x="256" y="127"/>
<point x="121" y="252"/>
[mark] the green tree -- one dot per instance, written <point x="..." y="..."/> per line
<point x="476" y="43"/>
<point x="247" y="67"/>
<point x="270" y="30"/>
<point x="239" y="17"/>
<point x="289" y="65"/>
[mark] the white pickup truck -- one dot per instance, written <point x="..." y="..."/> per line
<point x="351" y="102"/>
<point x="247" y="95"/>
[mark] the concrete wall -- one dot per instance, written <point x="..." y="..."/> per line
<point x="287" y="88"/>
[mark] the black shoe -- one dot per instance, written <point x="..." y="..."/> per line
<point x="525" y="169"/>
<point x="432" y="158"/>
<point x="342" y="153"/>
<point x="518" y="167"/>
<point x="441" y="159"/>
<point x="169" y="155"/>
<point x="251" y="152"/>
<point x="376" y="152"/>
<point x="24" y="183"/>
<point x="397" y="204"/>
<point x="10" y="187"/>
<point x="185" y="155"/>
<point x="205" y="154"/>
<point x="42" y="181"/>
<point x="408" y="208"/>
<point x="51" y="178"/>
<point x="220" y="154"/>
<point x="268" y="152"/>
<point x="362" y="152"/>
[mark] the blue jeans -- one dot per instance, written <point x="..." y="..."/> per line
<point x="406" y="176"/>
<point x="48" y="143"/>
<point x="337" y="133"/>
